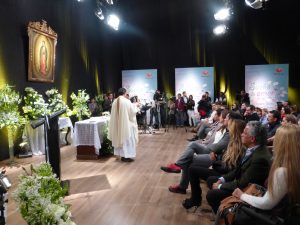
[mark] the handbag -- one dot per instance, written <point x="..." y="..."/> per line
<point x="248" y="215"/>
<point x="229" y="205"/>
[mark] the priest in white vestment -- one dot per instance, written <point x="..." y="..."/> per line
<point x="123" y="129"/>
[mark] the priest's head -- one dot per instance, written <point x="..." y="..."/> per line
<point x="122" y="91"/>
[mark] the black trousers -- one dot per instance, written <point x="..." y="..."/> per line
<point x="196" y="173"/>
<point x="215" y="196"/>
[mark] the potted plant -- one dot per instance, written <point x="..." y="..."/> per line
<point x="39" y="197"/>
<point x="10" y="116"/>
<point x="80" y="106"/>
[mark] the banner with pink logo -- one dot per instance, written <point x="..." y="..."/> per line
<point x="267" y="84"/>
<point x="142" y="83"/>
<point x="195" y="81"/>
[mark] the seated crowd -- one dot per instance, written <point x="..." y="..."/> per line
<point x="232" y="149"/>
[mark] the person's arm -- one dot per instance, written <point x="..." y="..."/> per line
<point x="217" y="148"/>
<point x="256" y="172"/>
<point x="268" y="202"/>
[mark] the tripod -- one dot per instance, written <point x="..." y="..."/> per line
<point x="142" y="120"/>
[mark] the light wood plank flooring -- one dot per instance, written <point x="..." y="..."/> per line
<point x="122" y="193"/>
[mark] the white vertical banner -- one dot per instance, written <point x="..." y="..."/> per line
<point x="267" y="84"/>
<point x="195" y="81"/>
<point x="142" y="83"/>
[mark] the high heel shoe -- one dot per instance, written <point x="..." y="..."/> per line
<point x="190" y="205"/>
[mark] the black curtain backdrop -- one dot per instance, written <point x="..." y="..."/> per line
<point x="158" y="34"/>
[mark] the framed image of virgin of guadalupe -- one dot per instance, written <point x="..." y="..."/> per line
<point x="42" y="44"/>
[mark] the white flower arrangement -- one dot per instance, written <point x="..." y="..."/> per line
<point x="9" y="108"/>
<point x="39" y="197"/>
<point x="55" y="102"/>
<point x="80" y="106"/>
<point x="35" y="106"/>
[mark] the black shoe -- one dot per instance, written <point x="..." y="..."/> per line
<point x="193" y="139"/>
<point x="189" y="203"/>
<point x="127" y="159"/>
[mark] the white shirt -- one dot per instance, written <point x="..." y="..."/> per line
<point x="219" y="135"/>
<point x="268" y="202"/>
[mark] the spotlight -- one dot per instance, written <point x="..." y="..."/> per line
<point x="113" y="21"/>
<point x="221" y="29"/>
<point x="99" y="14"/>
<point x="110" y="2"/>
<point x="222" y="14"/>
<point x="256" y="4"/>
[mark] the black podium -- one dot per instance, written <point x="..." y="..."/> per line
<point x="51" y="134"/>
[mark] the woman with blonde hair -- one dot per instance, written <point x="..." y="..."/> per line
<point x="231" y="156"/>
<point x="284" y="176"/>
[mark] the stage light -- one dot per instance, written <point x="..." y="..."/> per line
<point x="110" y="2"/>
<point x="99" y="14"/>
<point x="113" y="21"/>
<point x="221" y="29"/>
<point x="222" y="14"/>
<point x="256" y="4"/>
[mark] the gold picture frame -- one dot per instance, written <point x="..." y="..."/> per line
<point x="42" y="44"/>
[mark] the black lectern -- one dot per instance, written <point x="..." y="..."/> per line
<point x="51" y="134"/>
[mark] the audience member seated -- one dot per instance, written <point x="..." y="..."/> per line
<point x="284" y="177"/>
<point x="194" y="153"/>
<point x="252" y="168"/>
<point x="203" y="107"/>
<point x="264" y="116"/>
<point x="235" y="107"/>
<point x="294" y="110"/>
<point x="205" y="127"/>
<point x="273" y="124"/>
<point x="232" y="155"/>
<point x="250" y="114"/>
<point x="209" y="120"/>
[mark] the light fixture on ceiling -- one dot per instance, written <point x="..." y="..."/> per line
<point x="110" y="2"/>
<point x="256" y="4"/>
<point x="221" y="29"/>
<point x="222" y="14"/>
<point x="113" y="21"/>
<point x="99" y="14"/>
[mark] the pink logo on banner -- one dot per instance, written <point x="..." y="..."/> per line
<point x="205" y="73"/>
<point x="279" y="70"/>
<point x="149" y="75"/>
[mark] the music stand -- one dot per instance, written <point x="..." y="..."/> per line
<point x="51" y="135"/>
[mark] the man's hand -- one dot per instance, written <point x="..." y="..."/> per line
<point x="237" y="193"/>
<point x="216" y="185"/>
<point x="212" y="156"/>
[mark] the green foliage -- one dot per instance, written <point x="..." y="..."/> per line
<point x="56" y="102"/>
<point x="39" y="196"/>
<point x="79" y="102"/>
<point x="106" y="146"/>
<point x="99" y="100"/>
<point x="35" y="106"/>
<point x="9" y="108"/>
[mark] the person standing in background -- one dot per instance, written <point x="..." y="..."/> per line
<point x="108" y="103"/>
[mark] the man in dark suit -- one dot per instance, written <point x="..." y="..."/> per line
<point x="253" y="168"/>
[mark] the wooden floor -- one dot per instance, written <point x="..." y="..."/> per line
<point x="111" y="192"/>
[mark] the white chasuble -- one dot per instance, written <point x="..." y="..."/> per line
<point x="123" y="131"/>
